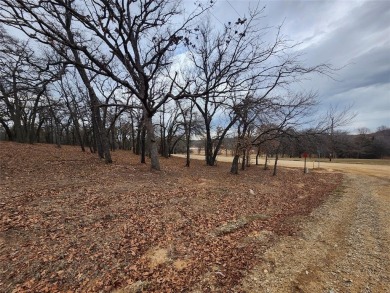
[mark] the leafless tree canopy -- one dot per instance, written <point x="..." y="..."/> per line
<point x="109" y="69"/>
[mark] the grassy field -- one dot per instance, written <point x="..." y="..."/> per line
<point x="385" y="162"/>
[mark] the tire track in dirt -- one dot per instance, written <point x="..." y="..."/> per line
<point x="343" y="246"/>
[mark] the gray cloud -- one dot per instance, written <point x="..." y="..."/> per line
<point x="362" y="41"/>
<point x="351" y="35"/>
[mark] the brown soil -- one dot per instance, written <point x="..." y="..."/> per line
<point x="342" y="246"/>
<point x="71" y="223"/>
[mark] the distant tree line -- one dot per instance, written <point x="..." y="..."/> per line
<point x="364" y="145"/>
<point x="112" y="74"/>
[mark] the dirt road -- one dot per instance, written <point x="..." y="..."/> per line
<point x="372" y="170"/>
<point x="343" y="245"/>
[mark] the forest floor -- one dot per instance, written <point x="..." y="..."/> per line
<point x="68" y="222"/>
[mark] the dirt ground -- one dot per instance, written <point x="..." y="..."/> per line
<point x="343" y="246"/>
<point x="70" y="223"/>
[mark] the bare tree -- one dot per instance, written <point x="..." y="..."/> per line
<point x="229" y="63"/>
<point x="275" y="121"/>
<point x="172" y="131"/>
<point x="337" y="118"/>
<point x="138" y="36"/>
<point x="71" y="93"/>
<point x="24" y="79"/>
<point x="191" y="123"/>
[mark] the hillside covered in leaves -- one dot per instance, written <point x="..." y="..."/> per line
<point x="69" y="222"/>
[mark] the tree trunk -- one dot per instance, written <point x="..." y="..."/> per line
<point x="243" y="159"/>
<point x="188" y="141"/>
<point x="99" y="130"/>
<point x="113" y="139"/>
<point x="220" y="140"/>
<point x="38" y="134"/>
<point x="155" y="164"/>
<point x="188" y="151"/>
<point x="32" y="133"/>
<point x="76" y="124"/>
<point x="266" y="162"/>
<point x="91" y="144"/>
<point x="96" y="133"/>
<point x="209" y="148"/>
<point x="248" y="158"/>
<point x="52" y="132"/>
<point x="79" y="137"/>
<point x="234" y="168"/>
<point x="7" y="130"/>
<point x="137" y="142"/>
<point x="33" y="115"/>
<point x="19" y="133"/>
<point x="16" y="114"/>
<point x="143" y="145"/>
<point x="67" y="135"/>
<point x="57" y="134"/>
<point x="276" y="163"/>
<point x="257" y="156"/>
<point x="103" y="137"/>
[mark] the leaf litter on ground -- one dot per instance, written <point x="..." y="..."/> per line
<point x="69" y="222"/>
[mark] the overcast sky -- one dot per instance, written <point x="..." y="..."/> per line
<point x="352" y="33"/>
